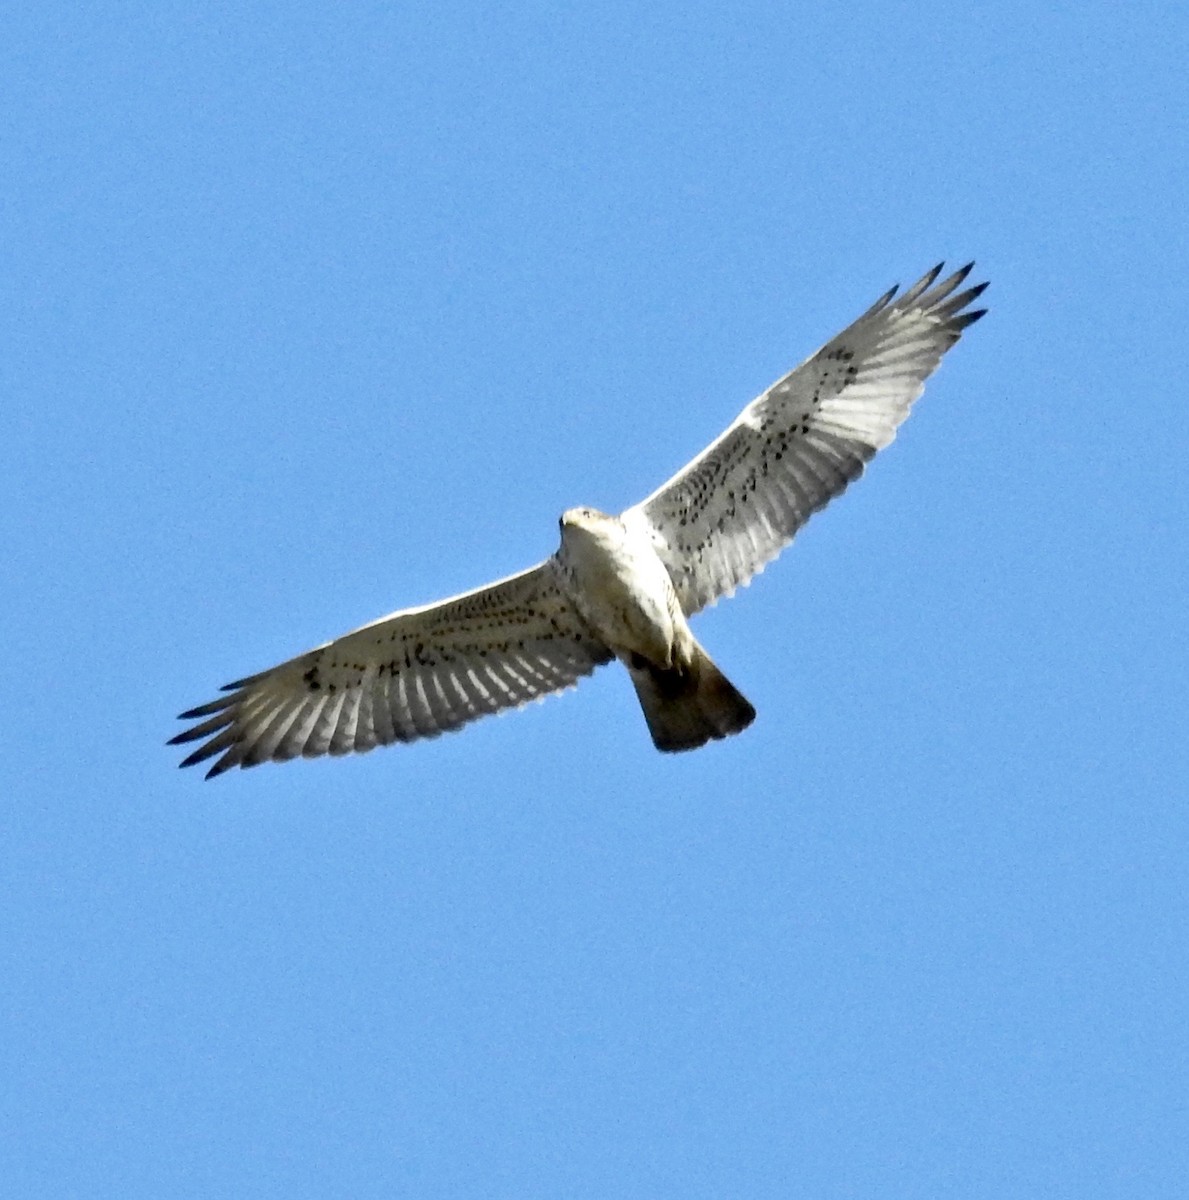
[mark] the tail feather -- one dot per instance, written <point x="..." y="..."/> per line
<point x="687" y="706"/>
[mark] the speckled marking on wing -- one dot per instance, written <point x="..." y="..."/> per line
<point x="413" y="674"/>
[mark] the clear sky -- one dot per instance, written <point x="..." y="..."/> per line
<point x="315" y="311"/>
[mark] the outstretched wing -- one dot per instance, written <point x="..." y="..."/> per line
<point x="738" y="504"/>
<point x="413" y="674"/>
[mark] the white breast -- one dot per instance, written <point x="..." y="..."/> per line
<point x="620" y="587"/>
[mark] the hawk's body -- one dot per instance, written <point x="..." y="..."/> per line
<point x="618" y="587"/>
<point x="618" y="583"/>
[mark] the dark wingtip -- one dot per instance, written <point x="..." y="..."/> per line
<point x="883" y="301"/>
<point x="194" y="759"/>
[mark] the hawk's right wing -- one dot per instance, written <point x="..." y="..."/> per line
<point x="720" y="519"/>
<point x="414" y="674"/>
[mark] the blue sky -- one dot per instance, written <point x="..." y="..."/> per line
<point x="311" y="312"/>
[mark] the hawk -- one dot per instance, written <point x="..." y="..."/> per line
<point x="618" y="587"/>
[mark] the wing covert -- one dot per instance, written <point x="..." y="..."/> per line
<point x="719" y="520"/>
<point x="413" y="674"/>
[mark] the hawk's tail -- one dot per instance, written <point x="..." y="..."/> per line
<point x="686" y="706"/>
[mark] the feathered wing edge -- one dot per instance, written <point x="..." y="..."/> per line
<point x="414" y="674"/>
<point x="729" y="512"/>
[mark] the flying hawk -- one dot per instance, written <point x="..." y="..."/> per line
<point x="618" y="587"/>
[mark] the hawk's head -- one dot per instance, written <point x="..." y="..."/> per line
<point x="584" y="518"/>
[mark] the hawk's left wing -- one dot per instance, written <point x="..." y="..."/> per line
<point x="739" y="503"/>
<point x="413" y="674"/>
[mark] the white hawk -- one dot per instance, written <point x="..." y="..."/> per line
<point x="618" y="587"/>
